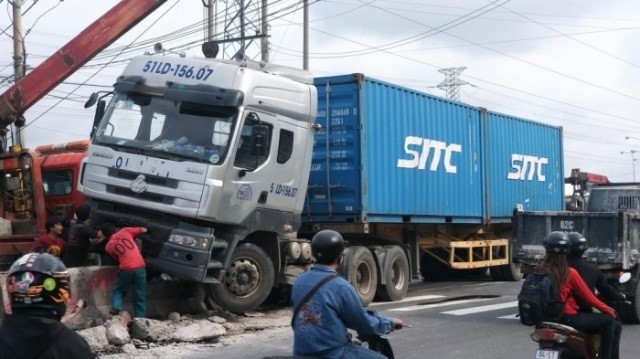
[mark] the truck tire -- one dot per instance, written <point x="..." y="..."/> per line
<point x="396" y="274"/>
<point x="363" y="274"/>
<point x="247" y="281"/>
<point x="511" y="272"/>
<point x="633" y="313"/>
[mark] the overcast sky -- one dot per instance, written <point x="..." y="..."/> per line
<point x="570" y="63"/>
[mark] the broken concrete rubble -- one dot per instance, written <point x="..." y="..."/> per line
<point x="121" y="334"/>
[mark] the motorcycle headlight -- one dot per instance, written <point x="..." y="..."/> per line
<point x="189" y="241"/>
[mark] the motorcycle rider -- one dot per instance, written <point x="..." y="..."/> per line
<point x="591" y="275"/>
<point x="38" y="288"/>
<point x="571" y="286"/>
<point x="320" y="326"/>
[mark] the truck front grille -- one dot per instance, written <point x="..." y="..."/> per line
<point x="150" y="179"/>
<point x="152" y="197"/>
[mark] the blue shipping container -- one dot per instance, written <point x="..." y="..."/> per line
<point x="389" y="154"/>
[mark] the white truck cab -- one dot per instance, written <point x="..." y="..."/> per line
<point x="213" y="157"/>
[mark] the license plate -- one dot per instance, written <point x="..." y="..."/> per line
<point x="547" y="354"/>
<point x="139" y="244"/>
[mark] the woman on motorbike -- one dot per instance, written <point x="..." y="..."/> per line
<point x="570" y="287"/>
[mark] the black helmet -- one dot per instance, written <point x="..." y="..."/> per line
<point x="326" y="246"/>
<point x="38" y="284"/>
<point x="557" y="242"/>
<point x="578" y="243"/>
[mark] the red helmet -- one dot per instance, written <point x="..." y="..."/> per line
<point x="39" y="283"/>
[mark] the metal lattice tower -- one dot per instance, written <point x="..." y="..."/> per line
<point x="451" y="84"/>
<point x="242" y="21"/>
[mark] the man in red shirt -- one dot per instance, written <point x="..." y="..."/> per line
<point x="123" y="248"/>
<point x="50" y="242"/>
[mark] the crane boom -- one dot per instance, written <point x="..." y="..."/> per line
<point x="77" y="52"/>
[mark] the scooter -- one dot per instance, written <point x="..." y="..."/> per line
<point x="558" y="341"/>
<point x="377" y="343"/>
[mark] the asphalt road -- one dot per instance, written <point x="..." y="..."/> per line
<point x="465" y="319"/>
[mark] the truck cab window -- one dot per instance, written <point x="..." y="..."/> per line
<point x="57" y="183"/>
<point x="250" y="154"/>
<point x="182" y="130"/>
<point x="285" y="146"/>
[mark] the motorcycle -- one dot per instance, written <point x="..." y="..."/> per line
<point x="558" y="341"/>
<point x="377" y="343"/>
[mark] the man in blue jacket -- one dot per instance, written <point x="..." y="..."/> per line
<point x="320" y="325"/>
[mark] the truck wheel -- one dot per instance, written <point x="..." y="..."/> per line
<point x="247" y="282"/>
<point x="511" y="272"/>
<point x="633" y="314"/>
<point x="363" y="274"/>
<point x="396" y="274"/>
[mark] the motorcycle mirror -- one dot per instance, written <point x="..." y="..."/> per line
<point x="624" y="277"/>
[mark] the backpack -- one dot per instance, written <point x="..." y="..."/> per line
<point x="539" y="300"/>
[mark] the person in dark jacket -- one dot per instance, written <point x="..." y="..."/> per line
<point x="81" y="238"/>
<point x="591" y="275"/>
<point x="38" y="288"/>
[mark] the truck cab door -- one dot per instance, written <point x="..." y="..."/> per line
<point x="268" y="174"/>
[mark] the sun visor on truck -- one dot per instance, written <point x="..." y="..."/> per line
<point x="127" y="84"/>
<point x="205" y="94"/>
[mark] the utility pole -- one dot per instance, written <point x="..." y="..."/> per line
<point x="305" y="35"/>
<point x="212" y="24"/>
<point x="18" y="61"/>
<point x="451" y="84"/>
<point x="264" y="41"/>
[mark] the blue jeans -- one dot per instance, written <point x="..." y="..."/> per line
<point x="609" y="329"/>
<point x="355" y="351"/>
<point x="138" y="279"/>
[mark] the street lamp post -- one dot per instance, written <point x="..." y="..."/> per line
<point x="633" y="159"/>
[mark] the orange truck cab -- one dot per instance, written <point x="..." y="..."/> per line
<point x="36" y="185"/>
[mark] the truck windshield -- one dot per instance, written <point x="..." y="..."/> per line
<point x="179" y="129"/>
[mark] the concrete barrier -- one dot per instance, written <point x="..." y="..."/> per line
<point x="94" y="285"/>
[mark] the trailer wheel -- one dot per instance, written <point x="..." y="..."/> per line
<point x="247" y="282"/>
<point x="511" y="272"/>
<point x="363" y="274"/>
<point x="396" y="274"/>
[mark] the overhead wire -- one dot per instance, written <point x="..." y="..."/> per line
<point x="77" y="87"/>
<point x="531" y="63"/>
<point x="573" y="38"/>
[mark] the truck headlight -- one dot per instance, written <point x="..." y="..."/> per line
<point x="189" y="241"/>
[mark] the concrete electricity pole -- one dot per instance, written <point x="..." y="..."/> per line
<point x="264" y="41"/>
<point x="305" y="36"/>
<point x="18" y="60"/>
<point x="212" y="24"/>
<point x="451" y="84"/>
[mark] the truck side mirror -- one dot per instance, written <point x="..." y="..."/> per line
<point x="259" y="141"/>
<point x="102" y="104"/>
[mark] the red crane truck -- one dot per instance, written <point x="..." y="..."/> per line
<point x="37" y="184"/>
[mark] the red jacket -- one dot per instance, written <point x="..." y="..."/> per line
<point x="576" y="286"/>
<point x="53" y="246"/>
<point x="122" y="246"/>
